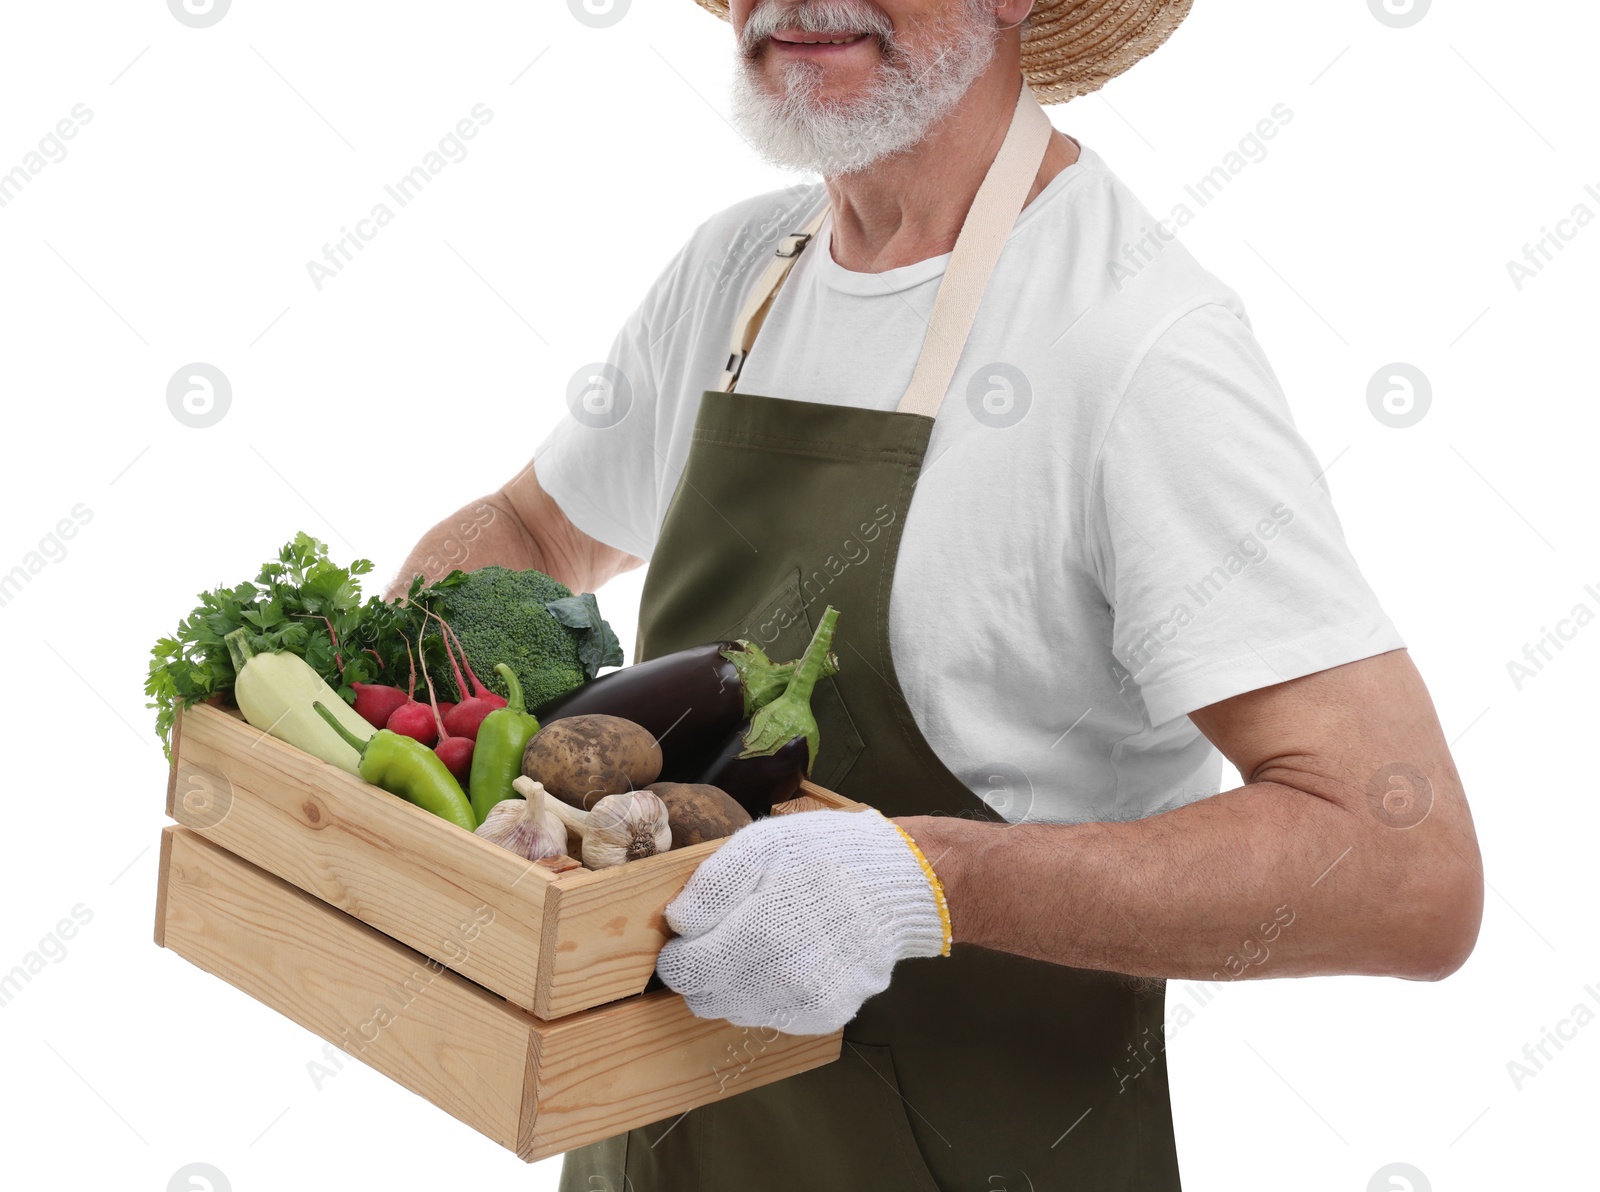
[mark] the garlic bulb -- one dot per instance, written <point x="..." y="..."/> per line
<point x="540" y="802"/>
<point x="524" y="826"/>
<point x="618" y="828"/>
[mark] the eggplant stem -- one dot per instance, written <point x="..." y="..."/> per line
<point x="789" y="716"/>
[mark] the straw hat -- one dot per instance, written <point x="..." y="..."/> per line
<point x="1073" y="47"/>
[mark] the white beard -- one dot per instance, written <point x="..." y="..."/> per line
<point x="799" y="128"/>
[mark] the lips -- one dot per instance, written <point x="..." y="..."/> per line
<point x="796" y="37"/>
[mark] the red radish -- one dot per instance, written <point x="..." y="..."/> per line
<point x="454" y="752"/>
<point x="413" y="719"/>
<point x="375" y="702"/>
<point x="467" y="715"/>
<point x="444" y="707"/>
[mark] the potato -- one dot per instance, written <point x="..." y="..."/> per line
<point x="581" y="759"/>
<point x="697" y="812"/>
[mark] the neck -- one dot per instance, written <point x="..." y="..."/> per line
<point x="910" y="206"/>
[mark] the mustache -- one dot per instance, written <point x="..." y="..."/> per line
<point x="840" y="17"/>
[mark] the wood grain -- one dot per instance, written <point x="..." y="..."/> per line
<point x="438" y="1034"/>
<point x="538" y="1088"/>
<point x="553" y="942"/>
<point x="601" y="942"/>
<point x="400" y="869"/>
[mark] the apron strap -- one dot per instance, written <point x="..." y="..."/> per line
<point x="983" y="235"/>
<point x="755" y="309"/>
<point x="977" y="249"/>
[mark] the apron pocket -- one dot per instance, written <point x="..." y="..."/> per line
<point x="782" y="625"/>
<point x="871" y="1115"/>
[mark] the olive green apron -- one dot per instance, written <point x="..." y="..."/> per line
<point x="977" y="1071"/>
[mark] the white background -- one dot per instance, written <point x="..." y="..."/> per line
<point x="219" y="161"/>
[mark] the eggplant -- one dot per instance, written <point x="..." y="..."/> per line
<point x="689" y="701"/>
<point x="763" y="761"/>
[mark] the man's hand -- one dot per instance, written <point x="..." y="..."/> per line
<point x="798" y="919"/>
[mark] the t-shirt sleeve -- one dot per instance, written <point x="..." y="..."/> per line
<point x="1212" y="530"/>
<point x="601" y="462"/>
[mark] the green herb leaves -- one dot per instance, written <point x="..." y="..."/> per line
<point x="304" y="603"/>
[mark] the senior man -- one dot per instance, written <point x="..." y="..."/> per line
<point x="1078" y="547"/>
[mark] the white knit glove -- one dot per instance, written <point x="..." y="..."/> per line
<point x="799" y="918"/>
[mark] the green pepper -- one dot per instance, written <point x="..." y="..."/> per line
<point x="497" y="757"/>
<point x="406" y="767"/>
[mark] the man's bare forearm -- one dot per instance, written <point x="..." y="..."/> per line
<point x="484" y="533"/>
<point x="1261" y="881"/>
<point x="1335" y="857"/>
<point x="518" y="526"/>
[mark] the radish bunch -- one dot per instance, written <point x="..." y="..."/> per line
<point x="449" y="729"/>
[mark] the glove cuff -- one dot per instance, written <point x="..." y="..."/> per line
<point x="946" y="935"/>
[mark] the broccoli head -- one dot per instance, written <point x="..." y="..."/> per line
<point x="502" y="615"/>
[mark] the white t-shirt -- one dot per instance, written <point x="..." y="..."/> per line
<point x="1117" y="521"/>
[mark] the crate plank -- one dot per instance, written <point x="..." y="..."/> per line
<point x="646" y="1058"/>
<point x="538" y="1088"/>
<point x="438" y="1034"/>
<point x="550" y="942"/>
<point x="601" y="942"/>
<point x="394" y="866"/>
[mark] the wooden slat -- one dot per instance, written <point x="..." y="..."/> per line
<point x="602" y="940"/>
<point x="412" y="875"/>
<point x="163" y="866"/>
<point x="538" y="1088"/>
<point x="816" y="798"/>
<point x="443" y="1037"/>
<point x="647" y="1058"/>
<point x="608" y="926"/>
<point x="553" y="943"/>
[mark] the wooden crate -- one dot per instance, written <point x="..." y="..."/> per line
<point x="508" y="994"/>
